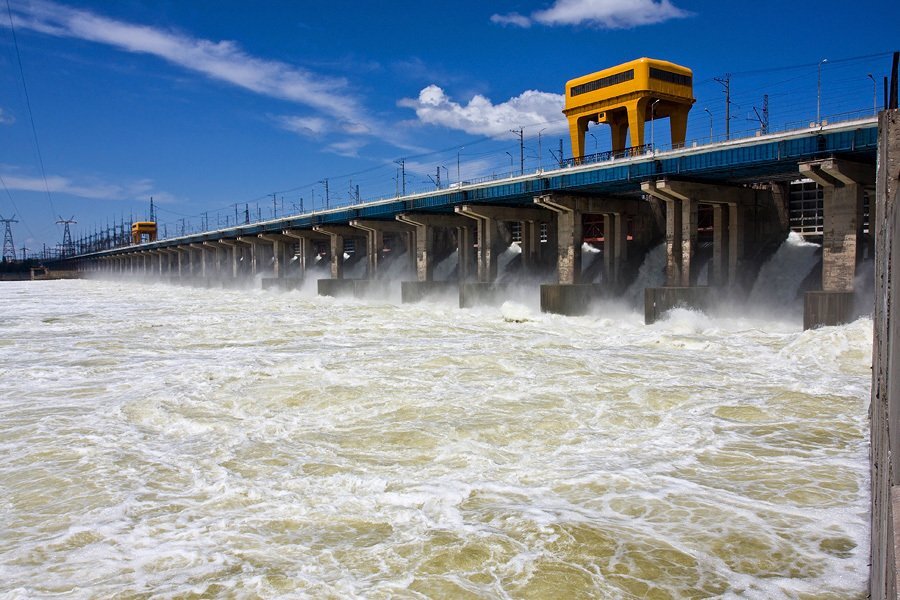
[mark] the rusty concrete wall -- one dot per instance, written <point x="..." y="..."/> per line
<point x="885" y="404"/>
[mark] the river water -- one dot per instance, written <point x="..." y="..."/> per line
<point x="170" y="442"/>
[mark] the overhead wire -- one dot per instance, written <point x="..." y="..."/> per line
<point x="37" y="144"/>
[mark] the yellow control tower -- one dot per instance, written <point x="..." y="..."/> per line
<point x="626" y="97"/>
<point x="143" y="231"/>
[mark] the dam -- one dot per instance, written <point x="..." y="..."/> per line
<point x="718" y="214"/>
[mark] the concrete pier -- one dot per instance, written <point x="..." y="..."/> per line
<point x="376" y="232"/>
<point x="427" y="252"/>
<point x="475" y="293"/>
<point x="338" y="234"/>
<point x="843" y="185"/>
<point x="885" y="401"/>
<point x="307" y="241"/>
<point x="658" y="301"/>
<point x="572" y="299"/>
<point x="571" y="296"/>
<point x="419" y="291"/>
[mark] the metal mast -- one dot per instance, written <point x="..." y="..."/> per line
<point x="67" y="248"/>
<point x="9" y="249"/>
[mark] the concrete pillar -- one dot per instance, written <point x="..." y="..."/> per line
<point x="682" y="199"/>
<point x="843" y="185"/>
<point x="219" y="253"/>
<point x="375" y="231"/>
<point x="490" y="244"/>
<point x="201" y="251"/>
<point x="234" y="248"/>
<point x="253" y="244"/>
<point x="569" y="211"/>
<point x="615" y="248"/>
<point x="337" y="233"/>
<point x="279" y="243"/>
<point x="307" y="239"/>
<point x="884" y="407"/>
<point x="425" y="225"/>
<point x="735" y="241"/>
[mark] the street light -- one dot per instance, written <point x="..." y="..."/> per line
<point x="706" y="110"/>
<point x="652" y="116"/>
<point x="595" y="141"/>
<point x="819" y="92"/>
<point x="510" y="163"/>
<point x="458" y="180"/>
<point x="874" y="94"/>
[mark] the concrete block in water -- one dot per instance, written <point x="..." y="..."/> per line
<point x="827" y="308"/>
<point x="417" y="291"/>
<point x="281" y="283"/>
<point x="355" y="288"/>
<point x="568" y="299"/>
<point x="476" y="293"/>
<point x="658" y="301"/>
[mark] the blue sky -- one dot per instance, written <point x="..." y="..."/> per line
<point x="205" y="105"/>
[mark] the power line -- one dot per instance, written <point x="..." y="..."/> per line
<point x="37" y="145"/>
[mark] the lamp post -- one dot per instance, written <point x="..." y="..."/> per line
<point x="819" y="92"/>
<point x="874" y="94"/>
<point x="510" y="163"/>
<point x="458" y="180"/>
<point x="652" y="117"/>
<point x="706" y="110"/>
<point x="595" y="141"/>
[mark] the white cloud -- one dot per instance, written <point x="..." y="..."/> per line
<point x="512" y="19"/>
<point x="223" y="60"/>
<point x="308" y="126"/>
<point x="481" y="117"/>
<point x="602" y="14"/>
<point x="91" y="188"/>
<point x="6" y="118"/>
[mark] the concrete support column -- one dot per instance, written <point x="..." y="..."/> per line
<point x="682" y="199"/>
<point x="201" y="259"/>
<point x="337" y="233"/>
<point x="253" y="244"/>
<point x="217" y="250"/>
<point x="688" y="240"/>
<point x="490" y="244"/>
<point x="569" y="235"/>
<point x="279" y="244"/>
<point x="307" y="239"/>
<point x="465" y="249"/>
<point x="234" y="249"/>
<point x="843" y="184"/>
<point x="735" y="241"/>
<point x="615" y="250"/>
<point x="375" y="231"/>
<point x="531" y="246"/>
<point x="717" y="270"/>
<point x="425" y="225"/>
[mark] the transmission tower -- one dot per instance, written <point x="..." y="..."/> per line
<point x="67" y="248"/>
<point x="9" y="249"/>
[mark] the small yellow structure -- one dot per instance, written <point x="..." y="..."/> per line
<point x="625" y="97"/>
<point x="143" y="231"/>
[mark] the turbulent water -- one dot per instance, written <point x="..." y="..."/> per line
<point x="161" y="441"/>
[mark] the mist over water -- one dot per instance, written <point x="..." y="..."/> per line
<point x="167" y="441"/>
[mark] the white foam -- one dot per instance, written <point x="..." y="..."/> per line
<point x="178" y="441"/>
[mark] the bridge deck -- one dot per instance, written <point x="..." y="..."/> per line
<point x="773" y="157"/>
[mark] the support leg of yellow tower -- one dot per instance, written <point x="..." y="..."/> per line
<point x="577" y="130"/>
<point x="678" y="121"/>
<point x="636" y="111"/>
<point x="619" y="131"/>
